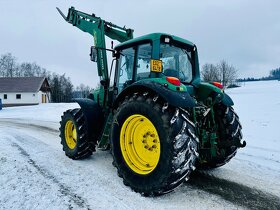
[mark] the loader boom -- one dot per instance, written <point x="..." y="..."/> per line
<point x="98" y="28"/>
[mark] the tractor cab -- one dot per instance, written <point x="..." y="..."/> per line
<point x="153" y="56"/>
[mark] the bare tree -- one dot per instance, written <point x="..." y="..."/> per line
<point x="210" y="73"/>
<point x="84" y="90"/>
<point x="228" y="73"/>
<point x="17" y="71"/>
<point x="8" y="65"/>
<point x="26" y="69"/>
<point x="222" y="72"/>
<point x="37" y="70"/>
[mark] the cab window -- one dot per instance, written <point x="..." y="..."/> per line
<point x="144" y="56"/>
<point x="177" y="62"/>
<point x="126" y="64"/>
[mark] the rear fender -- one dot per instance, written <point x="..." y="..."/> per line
<point x="206" y="89"/>
<point x="227" y="101"/>
<point x="174" y="98"/>
<point x="93" y="115"/>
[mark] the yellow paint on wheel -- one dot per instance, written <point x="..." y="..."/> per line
<point x="70" y="134"/>
<point x="140" y="144"/>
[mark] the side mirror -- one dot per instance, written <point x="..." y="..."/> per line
<point x="93" y="54"/>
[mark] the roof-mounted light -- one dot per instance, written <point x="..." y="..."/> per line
<point x="166" y="39"/>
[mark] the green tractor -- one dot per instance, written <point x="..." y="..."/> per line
<point x="151" y="109"/>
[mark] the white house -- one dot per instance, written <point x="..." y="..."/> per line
<point x="19" y="91"/>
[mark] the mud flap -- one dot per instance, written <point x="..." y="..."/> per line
<point x="94" y="116"/>
<point x="227" y="101"/>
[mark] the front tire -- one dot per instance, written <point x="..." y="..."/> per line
<point x="73" y="134"/>
<point x="154" y="146"/>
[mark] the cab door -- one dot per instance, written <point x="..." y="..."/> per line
<point x="125" y="68"/>
<point x="133" y="65"/>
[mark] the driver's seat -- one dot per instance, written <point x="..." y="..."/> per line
<point x="171" y="73"/>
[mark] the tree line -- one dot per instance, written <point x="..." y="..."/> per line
<point x="62" y="89"/>
<point x="221" y="72"/>
<point x="274" y="74"/>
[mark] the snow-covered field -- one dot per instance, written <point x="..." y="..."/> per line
<point x="35" y="173"/>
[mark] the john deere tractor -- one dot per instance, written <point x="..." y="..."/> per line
<point x="151" y="109"/>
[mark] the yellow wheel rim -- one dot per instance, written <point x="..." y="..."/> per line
<point x="140" y="144"/>
<point x="70" y="134"/>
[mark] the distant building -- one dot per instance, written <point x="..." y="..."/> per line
<point x="20" y="91"/>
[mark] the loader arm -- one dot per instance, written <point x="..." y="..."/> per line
<point x="98" y="28"/>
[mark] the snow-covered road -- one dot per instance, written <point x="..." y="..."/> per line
<point x="35" y="173"/>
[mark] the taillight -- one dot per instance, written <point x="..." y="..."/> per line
<point x="173" y="80"/>
<point x="218" y="85"/>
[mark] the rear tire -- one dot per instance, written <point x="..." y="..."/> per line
<point x="73" y="134"/>
<point x="229" y="131"/>
<point x="176" y="147"/>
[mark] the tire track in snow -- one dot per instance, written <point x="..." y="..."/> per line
<point x="259" y="157"/>
<point x="13" y="122"/>
<point x="24" y="145"/>
<point x="234" y="192"/>
<point x="78" y="200"/>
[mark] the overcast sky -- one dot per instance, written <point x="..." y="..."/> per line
<point x="246" y="33"/>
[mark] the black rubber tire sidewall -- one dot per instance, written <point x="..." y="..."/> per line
<point x="83" y="147"/>
<point x="70" y="152"/>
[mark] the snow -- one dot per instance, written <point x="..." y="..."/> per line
<point x="258" y="106"/>
<point x="44" y="114"/>
<point x="35" y="173"/>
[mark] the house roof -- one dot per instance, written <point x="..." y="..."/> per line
<point x="22" y="84"/>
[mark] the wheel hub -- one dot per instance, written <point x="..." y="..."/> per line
<point x="70" y="134"/>
<point x="140" y="144"/>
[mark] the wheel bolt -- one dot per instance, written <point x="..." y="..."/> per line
<point x="154" y="146"/>
<point x="155" y="141"/>
<point x="144" y="141"/>
<point x="151" y="149"/>
<point x="146" y="147"/>
<point x="152" y="135"/>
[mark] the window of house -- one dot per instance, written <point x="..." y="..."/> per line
<point x="18" y="96"/>
<point x="5" y="96"/>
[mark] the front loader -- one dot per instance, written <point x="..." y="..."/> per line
<point x="152" y="110"/>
